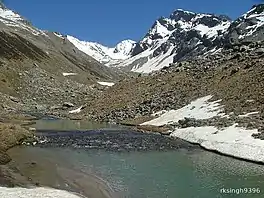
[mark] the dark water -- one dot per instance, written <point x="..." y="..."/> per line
<point x="177" y="172"/>
<point x="69" y="125"/>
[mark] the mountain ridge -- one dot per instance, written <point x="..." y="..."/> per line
<point x="104" y="54"/>
<point x="185" y="34"/>
<point x="158" y="35"/>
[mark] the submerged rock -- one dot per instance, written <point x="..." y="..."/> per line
<point x="113" y="140"/>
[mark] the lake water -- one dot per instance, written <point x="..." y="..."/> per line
<point x="175" y="173"/>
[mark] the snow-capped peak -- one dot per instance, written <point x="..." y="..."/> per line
<point x="125" y="47"/>
<point x="255" y="11"/>
<point x="13" y="19"/>
<point x="159" y="29"/>
<point x="9" y="14"/>
<point x="102" y="53"/>
<point x="185" y="11"/>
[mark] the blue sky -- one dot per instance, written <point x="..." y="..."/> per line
<point x="110" y="21"/>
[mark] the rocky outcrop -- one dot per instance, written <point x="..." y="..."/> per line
<point x="248" y="28"/>
<point x="180" y="37"/>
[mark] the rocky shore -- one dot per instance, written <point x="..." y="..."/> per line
<point x="11" y="135"/>
<point x="31" y="178"/>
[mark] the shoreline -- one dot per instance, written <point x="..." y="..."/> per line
<point x="14" y="129"/>
<point x="242" y="151"/>
<point x="193" y="123"/>
<point x="47" y="172"/>
<point x="148" y="129"/>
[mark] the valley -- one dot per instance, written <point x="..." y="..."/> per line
<point x="194" y="80"/>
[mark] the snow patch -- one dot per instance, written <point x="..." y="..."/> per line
<point x="109" y="84"/>
<point x="58" y="35"/>
<point x="10" y="18"/>
<point x="159" y="30"/>
<point x="198" y="109"/>
<point x="35" y="192"/>
<point x="76" y="110"/>
<point x="248" y="114"/>
<point x="232" y="141"/>
<point x="213" y="31"/>
<point x="69" y="74"/>
<point x="156" y="63"/>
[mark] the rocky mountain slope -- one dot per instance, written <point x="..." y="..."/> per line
<point x="43" y="68"/>
<point x="231" y="71"/>
<point x="181" y="36"/>
<point x="184" y="35"/>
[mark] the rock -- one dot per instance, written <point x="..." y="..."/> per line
<point x="32" y="129"/>
<point x="233" y="71"/>
<point x="14" y="99"/>
<point x="55" y="107"/>
<point x="4" y="158"/>
<point x="40" y="107"/>
<point x="68" y="104"/>
<point x="188" y="122"/>
<point x="259" y="51"/>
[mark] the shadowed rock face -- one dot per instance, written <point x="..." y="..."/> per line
<point x="179" y="29"/>
<point x="185" y="34"/>
<point x="248" y="28"/>
<point x="16" y="47"/>
<point x="188" y="35"/>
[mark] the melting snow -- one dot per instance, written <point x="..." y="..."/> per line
<point x="69" y="74"/>
<point x="35" y="192"/>
<point x="248" y="114"/>
<point x="234" y="141"/>
<point x="109" y="84"/>
<point x="76" y="110"/>
<point x="198" y="109"/>
<point x="58" y="35"/>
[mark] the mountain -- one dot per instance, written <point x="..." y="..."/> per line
<point x="182" y="36"/>
<point x="248" y="28"/>
<point x="105" y="55"/>
<point x="42" y="67"/>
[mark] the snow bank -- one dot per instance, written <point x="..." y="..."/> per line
<point x="69" y="74"/>
<point x="76" y="110"/>
<point x="233" y="141"/>
<point x="35" y="192"/>
<point x="198" y="109"/>
<point x="248" y="114"/>
<point x="109" y="84"/>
